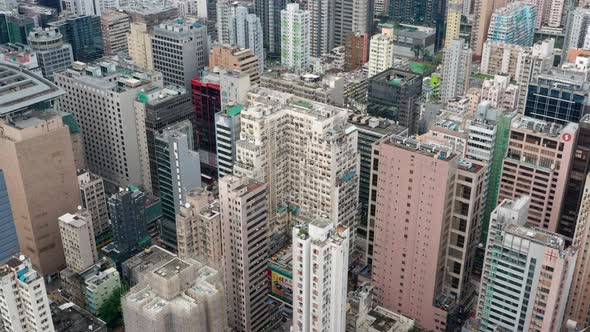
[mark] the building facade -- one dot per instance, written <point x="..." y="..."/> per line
<point x="245" y="31"/>
<point x="8" y="239"/>
<point x="381" y="51"/>
<point x="77" y="237"/>
<point x="295" y="37"/>
<point x="85" y="36"/>
<point x="53" y="55"/>
<point x="207" y="102"/>
<point x="115" y="27"/>
<point x="93" y="197"/>
<point x="456" y="69"/>
<point x="128" y="220"/>
<point x="244" y="60"/>
<point x="513" y="24"/>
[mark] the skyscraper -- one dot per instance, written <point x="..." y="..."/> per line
<point x="295" y="26"/>
<point x="95" y="93"/>
<point x="8" y="240"/>
<point x="53" y="55"/>
<point x="527" y="273"/>
<point x="207" y="102"/>
<point x="245" y="231"/>
<point x="393" y="94"/>
<point x="180" y="50"/>
<point x="537" y="164"/>
<point x="245" y="31"/>
<point x="38" y="195"/>
<point x="85" y="36"/>
<point x="179" y="172"/>
<point x="77" y="237"/>
<point x="513" y="24"/>
<point x="128" y="219"/>
<point x="456" y="69"/>
<point x="24" y="305"/>
<point x="320" y="252"/>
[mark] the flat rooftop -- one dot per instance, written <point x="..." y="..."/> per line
<point x="538" y="235"/>
<point x="21" y="89"/>
<point x="172" y="268"/>
<point x="71" y="318"/>
<point x="431" y="150"/>
<point x="376" y="125"/>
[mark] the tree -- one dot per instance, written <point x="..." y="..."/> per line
<point x="110" y="311"/>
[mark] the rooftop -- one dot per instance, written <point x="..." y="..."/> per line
<point x="538" y="235"/>
<point x="432" y="150"/>
<point x="283" y="259"/>
<point x="75" y="220"/>
<point x="376" y="125"/>
<point x="172" y="268"/>
<point x="148" y="259"/>
<point x="21" y="89"/>
<point x="538" y="126"/>
<point x="70" y="318"/>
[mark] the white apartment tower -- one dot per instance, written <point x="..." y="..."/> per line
<point x="245" y="31"/>
<point x="77" y="237"/>
<point x="101" y="96"/>
<point x="307" y="154"/>
<point x="295" y="37"/>
<point x="320" y="270"/>
<point x="526" y="276"/>
<point x="381" y="51"/>
<point x="244" y="219"/>
<point x="93" y="197"/>
<point x="456" y="70"/>
<point x="24" y="306"/>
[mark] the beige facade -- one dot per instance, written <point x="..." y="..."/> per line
<point x="115" y="27"/>
<point x="77" y="237"/>
<point x="482" y="10"/>
<point x="140" y="45"/>
<point x="226" y="57"/>
<point x="40" y="174"/>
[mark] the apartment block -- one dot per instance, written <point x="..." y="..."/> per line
<point x="100" y="287"/>
<point x="180" y="50"/>
<point x="179" y="295"/>
<point x="245" y="31"/>
<point x="128" y="219"/>
<point x="77" y="237"/>
<point x="532" y="63"/>
<point x="93" y="196"/>
<point x="320" y="272"/>
<point x="381" y="51"/>
<point x="295" y="37"/>
<point x="115" y="26"/>
<point x="245" y="233"/>
<point x="227" y="131"/>
<point x="513" y="24"/>
<point x="206" y="96"/>
<point x="225" y="11"/>
<point x="527" y="273"/>
<point x="454" y="13"/>
<point x="500" y="93"/>
<point x="53" y="55"/>
<point x="198" y="228"/>
<point x="24" y="305"/>
<point x="356" y="51"/>
<point x="8" y="239"/>
<point x="499" y="58"/>
<point x="234" y="86"/>
<point x="456" y="70"/>
<point x="304" y="178"/>
<point x="536" y="164"/>
<point x="412" y="231"/>
<point x="96" y="93"/>
<point x="244" y="60"/>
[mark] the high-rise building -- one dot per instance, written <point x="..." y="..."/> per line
<point x="234" y="86"/>
<point x="156" y="109"/>
<point x="454" y="13"/>
<point x="198" y="228"/>
<point x="269" y="12"/>
<point x="513" y="24"/>
<point x="85" y="36"/>
<point x="244" y="60"/>
<point x="532" y="63"/>
<point x="381" y="51"/>
<point x="421" y="12"/>
<point x="356" y="51"/>
<point x="456" y="69"/>
<point x="245" y="233"/>
<point x="179" y="173"/>
<point x="99" y="287"/>
<point x="128" y="219"/>
<point x="38" y="195"/>
<point x="227" y="131"/>
<point x="294" y="171"/>
<point x="245" y="31"/>
<point x="322" y="26"/>
<point x="178" y="295"/>
<point x="24" y="305"/>
<point x="393" y="94"/>
<point x="207" y="103"/>
<point x="499" y="58"/>
<point x="558" y="95"/>
<point x="77" y="237"/>
<point x="92" y="194"/>
<point x="500" y="93"/>
<point x="320" y="253"/>
<point x="226" y="10"/>
<point x="96" y="93"/>
<point x="576" y="31"/>
<point x="537" y="164"/>
<point x="527" y="274"/>
<point x="16" y="27"/>
<point x="53" y="55"/>
<point x="482" y="13"/>
<point x="576" y="182"/>
<point x="578" y="308"/>
<point x="180" y="50"/>
<point x="115" y="27"/>
<point x="8" y="239"/>
<point x="295" y="39"/>
<point x="412" y="268"/>
<point x="370" y="130"/>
